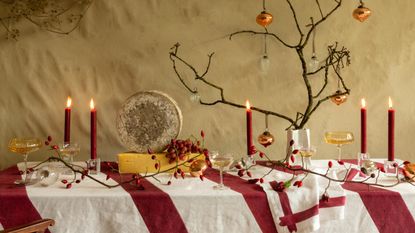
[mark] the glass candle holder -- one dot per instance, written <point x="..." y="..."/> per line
<point x="361" y="158"/>
<point x="391" y="168"/>
<point x="94" y="166"/>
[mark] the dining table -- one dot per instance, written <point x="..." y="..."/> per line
<point x="191" y="204"/>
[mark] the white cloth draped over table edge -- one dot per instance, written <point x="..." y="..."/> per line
<point x="55" y="202"/>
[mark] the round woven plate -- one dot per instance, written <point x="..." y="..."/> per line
<point x="148" y="119"/>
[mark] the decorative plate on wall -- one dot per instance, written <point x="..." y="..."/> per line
<point x="148" y="119"/>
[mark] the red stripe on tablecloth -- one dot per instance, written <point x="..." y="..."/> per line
<point x="15" y="205"/>
<point x="386" y="208"/>
<point x="155" y="206"/>
<point x="254" y="196"/>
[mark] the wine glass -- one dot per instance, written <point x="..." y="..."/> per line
<point x="221" y="161"/>
<point x="68" y="151"/>
<point x="24" y="146"/>
<point x="339" y="138"/>
<point x="306" y="153"/>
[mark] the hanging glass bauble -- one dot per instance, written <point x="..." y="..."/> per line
<point x="361" y="13"/>
<point x="266" y="138"/>
<point x="313" y="64"/>
<point x="264" y="65"/>
<point x="339" y="98"/>
<point x="195" y="97"/>
<point x="264" y="19"/>
<point x="198" y="167"/>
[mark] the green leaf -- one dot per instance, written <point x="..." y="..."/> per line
<point x="243" y="163"/>
<point x="287" y="184"/>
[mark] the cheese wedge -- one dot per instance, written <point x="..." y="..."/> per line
<point x="131" y="162"/>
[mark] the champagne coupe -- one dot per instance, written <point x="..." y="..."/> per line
<point x="221" y="161"/>
<point x="306" y="153"/>
<point x="24" y="146"/>
<point x="339" y="138"/>
<point x="68" y="151"/>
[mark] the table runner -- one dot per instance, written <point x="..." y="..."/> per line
<point x="246" y="216"/>
<point x="168" y="220"/>
<point x="15" y="205"/>
<point x="386" y="207"/>
<point x="254" y="196"/>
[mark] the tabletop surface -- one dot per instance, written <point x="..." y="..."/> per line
<point x="192" y="205"/>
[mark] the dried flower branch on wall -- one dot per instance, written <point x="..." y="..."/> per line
<point x="58" y="16"/>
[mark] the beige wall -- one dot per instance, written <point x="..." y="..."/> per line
<point x="122" y="47"/>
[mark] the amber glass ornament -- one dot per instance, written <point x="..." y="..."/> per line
<point x="361" y="13"/>
<point x="264" y="19"/>
<point x="198" y="167"/>
<point x="339" y="99"/>
<point x="266" y="138"/>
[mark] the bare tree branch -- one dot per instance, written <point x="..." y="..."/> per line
<point x="174" y="56"/>
<point x="296" y="22"/>
<point x="319" y="8"/>
<point x="336" y="59"/>
<point x="261" y="33"/>
<point x="339" y="2"/>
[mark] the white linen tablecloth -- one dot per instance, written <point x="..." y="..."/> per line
<point x="90" y="207"/>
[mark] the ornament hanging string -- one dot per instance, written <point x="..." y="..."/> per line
<point x="265" y="45"/>
<point x="314" y="36"/>
<point x="266" y="122"/>
<point x="338" y="80"/>
<point x="265" y="35"/>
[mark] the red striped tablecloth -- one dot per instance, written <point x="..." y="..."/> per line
<point x="191" y="205"/>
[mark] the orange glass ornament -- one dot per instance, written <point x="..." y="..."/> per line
<point x="361" y="13"/>
<point x="198" y="167"/>
<point x="339" y="99"/>
<point x="266" y="138"/>
<point x="264" y="19"/>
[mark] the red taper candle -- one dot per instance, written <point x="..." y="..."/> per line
<point x="391" y="132"/>
<point x="93" y="130"/>
<point x="67" y="129"/>
<point x="363" y="129"/>
<point x="249" y="142"/>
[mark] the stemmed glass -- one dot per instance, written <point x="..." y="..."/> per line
<point x="68" y="151"/>
<point x="306" y="153"/>
<point x="220" y="161"/>
<point x="24" y="146"/>
<point x="339" y="138"/>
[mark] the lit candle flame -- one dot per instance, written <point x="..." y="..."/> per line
<point x="390" y="102"/>
<point x="363" y="103"/>
<point x="69" y="102"/>
<point x="91" y="104"/>
<point x="248" y="106"/>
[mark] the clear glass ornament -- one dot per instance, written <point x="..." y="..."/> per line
<point x="313" y="64"/>
<point x="195" y="97"/>
<point x="264" y="65"/>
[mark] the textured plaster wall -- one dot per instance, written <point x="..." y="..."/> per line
<point x="122" y="47"/>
